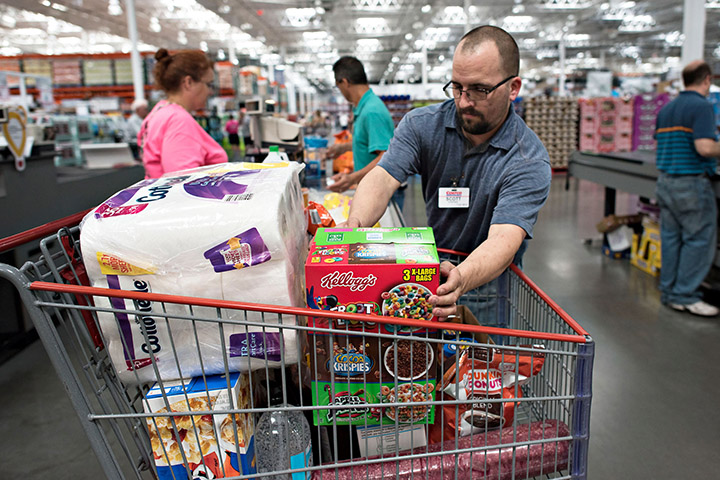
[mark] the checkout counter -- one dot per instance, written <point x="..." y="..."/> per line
<point x="40" y="194"/>
<point x="632" y="172"/>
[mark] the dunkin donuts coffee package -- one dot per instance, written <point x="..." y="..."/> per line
<point x="372" y="271"/>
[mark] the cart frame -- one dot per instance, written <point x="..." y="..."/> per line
<point x="45" y="294"/>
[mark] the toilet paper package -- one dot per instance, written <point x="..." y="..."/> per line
<point x="233" y="231"/>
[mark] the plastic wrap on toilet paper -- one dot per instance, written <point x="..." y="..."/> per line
<point x="234" y="231"/>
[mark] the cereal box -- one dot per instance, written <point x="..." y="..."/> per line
<point x="214" y="446"/>
<point x="374" y="271"/>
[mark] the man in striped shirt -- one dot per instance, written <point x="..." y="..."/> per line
<point x="686" y="150"/>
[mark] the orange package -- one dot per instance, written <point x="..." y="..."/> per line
<point x="344" y="163"/>
<point x="483" y="375"/>
<point x="317" y="216"/>
<point x="343" y="136"/>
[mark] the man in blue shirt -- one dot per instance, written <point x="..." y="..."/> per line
<point x="373" y="126"/>
<point x="484" y="173"/>
<point x="686" y="151"/>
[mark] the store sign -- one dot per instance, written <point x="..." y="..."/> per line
<point x="15" y="131"/>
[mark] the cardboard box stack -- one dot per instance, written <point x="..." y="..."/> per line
<point x="646" y="108"/>
<point x="555" y="121"/>
<point x="606" y="124"/>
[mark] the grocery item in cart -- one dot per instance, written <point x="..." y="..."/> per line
<point x="489" y="379"/>
<point x="234" y="232"/>
<point x="384" y="271"/>
<point x="547" y="451"/>
<point x="373" y="271"/>
<point x="207" y="445"/>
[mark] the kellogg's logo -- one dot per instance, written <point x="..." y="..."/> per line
<point x="346" y="279"/>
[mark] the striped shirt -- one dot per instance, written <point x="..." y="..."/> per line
<point x="687" y="118"/>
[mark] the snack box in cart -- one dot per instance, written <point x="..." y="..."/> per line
<point x="374" y="271"/>
<point x="209" y="443"/>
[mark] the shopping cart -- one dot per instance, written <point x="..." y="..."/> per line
<point x="412" y="429"/>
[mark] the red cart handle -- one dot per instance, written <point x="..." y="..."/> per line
<point x="8" y="243"/>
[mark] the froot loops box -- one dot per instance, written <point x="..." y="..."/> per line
<point x="375" y="271"/>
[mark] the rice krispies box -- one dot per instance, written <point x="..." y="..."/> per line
<point x="375" y="271"/>
<point x="209" y="443"/>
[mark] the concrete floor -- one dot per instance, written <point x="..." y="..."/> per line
<point x="656" y="390"/>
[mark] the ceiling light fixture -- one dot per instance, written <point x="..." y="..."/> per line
<point x="566" y="4"/>
<point x="379" y="4"/>
<point x="299" y="17"/>
<point x="114" y="8"/>
<point x="426" y="8"/>
<point x="182" y="38"/>
<point x="637" y="24"/>
<point x="372" y="26"/>
<point x="204" y="46"/>
<point x="155" y="24"/>
<point x="519" y="23"/>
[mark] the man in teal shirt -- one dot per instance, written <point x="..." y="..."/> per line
<point x="373" y="126"/>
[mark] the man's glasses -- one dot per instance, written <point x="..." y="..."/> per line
<point x="473" y="94"/>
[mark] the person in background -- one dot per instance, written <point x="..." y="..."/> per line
<point x="485" y="174"/>
<point x="231" y="127"/>
<point x="170" y="138"/>
<point x="686" y="152"/>
<point x="139" y="109"/>
<point x="373" y="126"/>
<point x="244" y="120"/>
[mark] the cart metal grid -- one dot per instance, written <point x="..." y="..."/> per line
<point x="548" y="436"/>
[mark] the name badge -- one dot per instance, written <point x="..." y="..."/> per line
<point x="457" y="197"/>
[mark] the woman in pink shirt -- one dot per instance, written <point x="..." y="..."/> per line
<point x="170" y="137"/>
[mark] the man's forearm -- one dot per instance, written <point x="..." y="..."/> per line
<point x="371" y="198"/>
<point x="360" y="174"/>
<point x="492" y="257"/>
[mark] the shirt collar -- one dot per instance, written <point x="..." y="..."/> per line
<point x="503" y="138"/>
<point x="363" y="100"/>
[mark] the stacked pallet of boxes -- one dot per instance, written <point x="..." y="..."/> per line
<point x="606" y="124"/>
<point x="555" y="121"/>
<point x="646" y="108"/>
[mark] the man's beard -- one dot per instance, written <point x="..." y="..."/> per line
<point x="477" y="126"/>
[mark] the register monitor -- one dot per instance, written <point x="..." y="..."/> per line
<point x="275" y="131"/>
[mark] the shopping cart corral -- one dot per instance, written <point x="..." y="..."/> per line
<point x="506" y="400"/>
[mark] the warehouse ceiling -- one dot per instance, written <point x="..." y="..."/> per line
<point x="391" y="37"/>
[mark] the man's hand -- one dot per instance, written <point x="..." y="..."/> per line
<point x="444" y="302"/>
<point x="351" y="222"/>
<point x="343" y="182"/>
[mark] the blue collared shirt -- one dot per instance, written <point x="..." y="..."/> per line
<point x="508" y="176"/>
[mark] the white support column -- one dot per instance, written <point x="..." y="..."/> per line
<point x="232" y="53"/>
<point x="563" y="76"/>
<point x="291" y="98"/>
<point x="466" y="8"/>
<point x="694" y="20"/>
<point x="424" y="66"/>
<point x="301" y="101"/>
<point x="138" y="84"/>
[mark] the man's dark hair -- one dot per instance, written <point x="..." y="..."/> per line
<point x="351" y="69"/>
<point x="695" y="73"/>
<point x="509" y="52"/>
